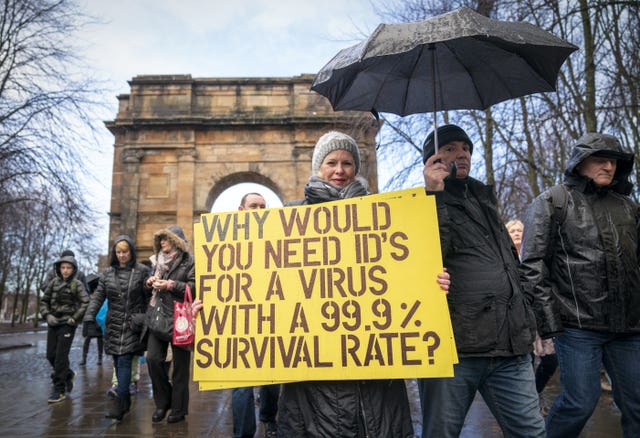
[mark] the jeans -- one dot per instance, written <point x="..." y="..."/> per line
<point x="135" y="372"/>
<point x="244" y="413"/>
<point x="507" y="386"/>
<point x="122" y="366"/>
<point x="59" y="340"/>
<point x="581" y="354"/>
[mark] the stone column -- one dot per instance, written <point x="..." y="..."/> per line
<point x="130" y="192"/>
<point x="185" y="191"/>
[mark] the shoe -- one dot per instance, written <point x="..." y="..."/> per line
<point x="69" y="382"/>
<point x="270" y="430"/>
<point x="115" y="411"/>
<point x="56" y="396"/>
<point x="133" y="388"/>
<point x="158" y="415"/>
<point x="175" y="418"/>
<point x="112" y="392"/>
<point x="119" y="407"/>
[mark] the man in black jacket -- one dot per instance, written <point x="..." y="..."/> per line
<point x="492" y="323"/>
<point x="580" y="264"/>
<point x="242" y="399"/>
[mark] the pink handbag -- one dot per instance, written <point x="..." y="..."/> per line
<point x="183" y="325"/>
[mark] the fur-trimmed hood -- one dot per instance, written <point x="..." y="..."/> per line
<point x="173" y="234"/>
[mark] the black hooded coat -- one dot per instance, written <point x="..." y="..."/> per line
<point x="124" y="288"/>
<point x="582" y="271"/>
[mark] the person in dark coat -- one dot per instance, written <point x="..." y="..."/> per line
<point x="91" y="331"/>
<point x="493" y="324"/>
<point x="63" y="305"/>
<point x="242" y="399"/>
<point x="123" y="285"/>
<point x="580" y="265"/>
<point x="174" y="270"/>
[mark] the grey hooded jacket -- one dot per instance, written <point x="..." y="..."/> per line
<point x="62" y="298"/>
<point x="582" y="271"/>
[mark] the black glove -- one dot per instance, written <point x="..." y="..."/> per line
<point x="88" y="327"/>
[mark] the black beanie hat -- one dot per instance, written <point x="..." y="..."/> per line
<point x="446" y="134"/>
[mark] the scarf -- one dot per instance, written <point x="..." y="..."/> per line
<point x="318" y="190"/>
<point x="163" y="261"/>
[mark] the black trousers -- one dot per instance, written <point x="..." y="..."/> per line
<point x="87" y="343"/>
<point x="172" y="395"/>
<point x="59" y="340"/>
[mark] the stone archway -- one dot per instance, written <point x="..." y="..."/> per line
<point x="180" y="141"/>
<point x="237" y="178"/>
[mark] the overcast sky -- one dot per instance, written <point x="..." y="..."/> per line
<point x="215" y="38"/>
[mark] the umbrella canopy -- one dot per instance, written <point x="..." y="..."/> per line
<point x="458" y="60"/>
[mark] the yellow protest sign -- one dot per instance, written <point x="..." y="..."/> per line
<point x="340" y="290"/>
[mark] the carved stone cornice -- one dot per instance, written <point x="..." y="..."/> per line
<point x="132" y="156"/>
<point x="187" y="155"/>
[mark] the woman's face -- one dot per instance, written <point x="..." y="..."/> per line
<point x="515" y="231"/>
<point x="165" y="245"/>
<point x="123" y="254"/>
<point x="338" y="168"/>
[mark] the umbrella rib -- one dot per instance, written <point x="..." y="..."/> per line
<point x="413" y="70"/>
<point x="460" y="60"/>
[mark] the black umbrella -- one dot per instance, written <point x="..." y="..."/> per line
<point x="457" y="60"/>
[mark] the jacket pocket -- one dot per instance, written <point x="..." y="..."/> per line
<point x="522" y="324"/>
<point x="465" y="233"/>
<point x="474" y="323"/>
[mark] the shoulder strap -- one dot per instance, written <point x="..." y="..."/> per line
<point x="559" y="200"/>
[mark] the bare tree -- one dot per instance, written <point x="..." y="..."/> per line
<point x="50" y="110"/>
<point x="48" y="101"/>
<point x="524" y="143"/>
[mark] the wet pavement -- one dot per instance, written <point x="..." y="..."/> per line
<point x="25" y="387"/>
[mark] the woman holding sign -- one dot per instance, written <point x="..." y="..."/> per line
<point x="345" y="408"/>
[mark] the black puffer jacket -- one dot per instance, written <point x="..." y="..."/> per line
<point x="124" y="288"/>
<point x="583" y="272"/>
<point x="64" y="299"/>
<point x="489" y="311"/>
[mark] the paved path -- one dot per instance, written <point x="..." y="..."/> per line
<point x="25" y="386"/>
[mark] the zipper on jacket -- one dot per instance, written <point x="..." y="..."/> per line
<point x="126" y="309"/>
<point x="362" y="412"/>
<point x="573" y="289"/>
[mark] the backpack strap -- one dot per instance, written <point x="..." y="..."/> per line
<point x="559" y="200"/>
